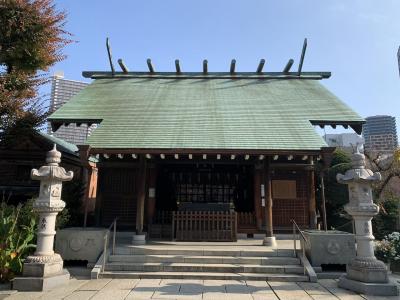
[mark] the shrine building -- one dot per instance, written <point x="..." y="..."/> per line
<point x="203" y="156"/>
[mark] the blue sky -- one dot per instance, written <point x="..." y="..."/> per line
<point x="357" y="40"/>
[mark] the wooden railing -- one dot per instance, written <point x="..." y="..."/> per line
<point x="246" y="220"/>
<point x="160" y="227"/>
<point x="204" y="225"/>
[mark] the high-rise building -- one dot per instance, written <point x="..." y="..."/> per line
<point x="62" y="90"/>
<point x="380" y="134"/>
<point x="398" y="58"/>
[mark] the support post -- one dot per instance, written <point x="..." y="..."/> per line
<point x="139" y="237"/>
<point x="311" y="195"/>
<point x="327" y="156"/>
<point x="269" y="239"/>
<point x="257" y="195"/>
<point x="151" y="199"/>
<point x="90" y="177"/>
<point x="323" y="201"/>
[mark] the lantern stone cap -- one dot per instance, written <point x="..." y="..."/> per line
<point x="358" y="172"/>
<point x="53" y="157"/>
<point x="52" y="171"/>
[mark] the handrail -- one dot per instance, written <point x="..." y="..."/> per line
<point x="295" y="229"/>
<point x="106" y="242"/>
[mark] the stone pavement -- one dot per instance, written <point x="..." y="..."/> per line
<point x="114" y="289"/>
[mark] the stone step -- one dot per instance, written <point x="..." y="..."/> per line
<point x="137" y="250"/>
<point x="205" y="259"/>
<point x="205" y="276"/>
<point x="188" y="267"/>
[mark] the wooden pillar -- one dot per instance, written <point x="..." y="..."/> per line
<point x="141" y="195"/>
<point x="268" y="196"/>
<point x="89" y="175"/>
<point x="151" y="199"/>
<point x="257" y="196"/>
<point x="311" y="195"/>
<point x="90" y="191"/>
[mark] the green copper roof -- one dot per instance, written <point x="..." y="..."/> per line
<point x="202" y="113"/>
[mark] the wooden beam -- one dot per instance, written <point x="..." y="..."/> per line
<point x="210" y="75"/>
<point x="205" y="66"/>
<point x="203" y="151"/>
<point x="150" y="65"/>
<point x="233" y="66"/>
<point x="260" y="65"/>
<point x="288" y="66"/>
<point x="177" y="66"/>
<point x="290" y="166"/>
<point x="303" y="53"/>
<point x="110" y="56"/>
<point x="123" y="66"/>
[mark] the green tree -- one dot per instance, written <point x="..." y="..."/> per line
<point x="31" y="39"/>
<point x="336" y="194"/>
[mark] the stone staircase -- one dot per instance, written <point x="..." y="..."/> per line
<point x="200" y="262"/>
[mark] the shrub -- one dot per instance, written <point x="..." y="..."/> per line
<point x="386" y="221"/>
<point x="388" y="250"/>
<point x="17" y="237"/>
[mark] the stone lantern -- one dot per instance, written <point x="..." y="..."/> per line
<point x="44" y="269"/>
<point x="365" y="274"/>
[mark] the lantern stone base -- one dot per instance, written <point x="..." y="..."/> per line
<point x="41" y="283"/>
<point x="367" y="270"/>
<point x="369" y="288"/>
<point x="41" y="273"/>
